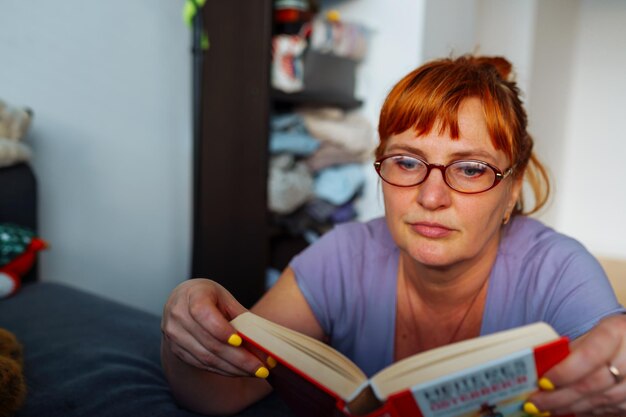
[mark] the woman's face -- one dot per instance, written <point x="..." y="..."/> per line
<point x="435" y="225"/>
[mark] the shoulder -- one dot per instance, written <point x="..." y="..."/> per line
<point x="529" y="239"/>
<point x="543" y="275"/>
<point x="534" y="252"/>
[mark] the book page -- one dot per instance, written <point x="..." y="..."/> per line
<point x="438" y="362"/>
<point x="310" y="356"/>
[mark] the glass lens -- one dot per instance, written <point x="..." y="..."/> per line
<point x="403" y="170"/>
<point x="470" y="176"/>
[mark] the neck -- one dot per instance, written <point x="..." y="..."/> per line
<point x="447" y="287"/>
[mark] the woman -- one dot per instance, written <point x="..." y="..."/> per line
<point x="454" y="258"/>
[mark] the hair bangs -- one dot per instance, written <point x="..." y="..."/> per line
<point x="430" y="98"/>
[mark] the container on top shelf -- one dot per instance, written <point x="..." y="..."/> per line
<point x="317" y="65"/>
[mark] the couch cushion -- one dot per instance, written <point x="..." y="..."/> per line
<point x="87" y="356"/>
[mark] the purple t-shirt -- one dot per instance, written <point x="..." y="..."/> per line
<point x="349" y="279"/>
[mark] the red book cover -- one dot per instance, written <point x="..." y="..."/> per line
<point x="497" y="388"/>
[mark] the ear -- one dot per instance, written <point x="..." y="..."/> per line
<point x="516" y="192"/>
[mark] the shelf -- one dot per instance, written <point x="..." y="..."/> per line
<point x="314" y="99"/>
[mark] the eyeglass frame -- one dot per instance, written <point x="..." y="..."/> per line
<point x="499" y="174"/>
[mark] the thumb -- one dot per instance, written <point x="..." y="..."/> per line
<point x="229" y="306"/>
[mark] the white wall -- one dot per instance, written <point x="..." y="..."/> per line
<point x="449" y="28"/>
<point x="550" y="91"/>
<point x="593" y="180"/>
<point x="109" y="83"/>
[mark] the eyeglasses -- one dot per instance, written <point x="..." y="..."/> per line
<point x="464" y="176"/>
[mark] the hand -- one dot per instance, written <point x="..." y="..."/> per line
<point x="584" y="384"/>
<point x="197" y="331"/>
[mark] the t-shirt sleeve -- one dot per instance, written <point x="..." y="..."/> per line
<point x="543" y="275"/>
<point x="582" y="295"/>
<point x="318" y="270"/>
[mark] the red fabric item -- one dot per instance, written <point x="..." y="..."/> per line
<point x="19" y="266"/>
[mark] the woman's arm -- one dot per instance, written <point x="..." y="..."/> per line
<point x="205" y="372"/>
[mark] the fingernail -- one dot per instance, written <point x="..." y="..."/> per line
<point x="234" y="340"/>
<point x="271" y="362"/>
<point x="545" y="384"/>
<point x="532" y="409"/>
<point x="262" y="372"/>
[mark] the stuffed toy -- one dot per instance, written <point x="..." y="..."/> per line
<point x="12" y="384"/>
<point x="14" y="123"/>
<point x="18" y="249"/>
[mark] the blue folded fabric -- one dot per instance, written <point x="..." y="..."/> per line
<point x="289" y="135"/>
<point x="339" y="184"/>
<point x="293" y="142"/>
<point x="286" y="121"/>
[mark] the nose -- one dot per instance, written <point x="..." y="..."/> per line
<point x="434" y="193"/>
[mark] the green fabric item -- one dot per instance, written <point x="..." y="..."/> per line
<point x="13" y="242"/>
<point x="190" y="9"/>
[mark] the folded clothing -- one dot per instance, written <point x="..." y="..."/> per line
<point x="289" y="135"/>
<point x="350" y="130"/>
<point x="330" y="154"/>
<point x="289" y="184"/>
<point x="339" y="184"/>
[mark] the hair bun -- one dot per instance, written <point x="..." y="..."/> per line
<point x="502" y="65"/>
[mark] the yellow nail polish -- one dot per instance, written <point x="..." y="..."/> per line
<point x="234" y="340"/>
<point x="262" y="372"/>
<point x="545" y="384"/>
<point x="271" y="362"/>
<point x="530" y="408"/>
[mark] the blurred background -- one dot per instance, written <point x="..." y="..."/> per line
<point x="110" y="84"/>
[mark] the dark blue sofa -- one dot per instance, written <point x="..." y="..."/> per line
<point x="86" y="355"/>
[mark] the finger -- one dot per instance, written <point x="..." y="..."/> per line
<point x="187" y="348"/>
<point x="213" y="354"/>
<point x="229" y="305"/>
<point x="611" y="398"/>
<point x="593" y="390"/>
<point x="609" y="401"/>
<point x="213" y="312"/>
<point x="207" y="304"/>
<point x="597" y="387"/>
<point x="600" y="412"/>
<point x="209" y="362"/>
<point x="197" y="320"/>
<point x="594" y="385"/>
<point x="588" y="354"/>
<point x="199" y="348"/>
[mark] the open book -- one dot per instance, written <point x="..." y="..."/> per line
<point x="489" y="376"/>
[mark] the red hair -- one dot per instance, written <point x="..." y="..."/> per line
<point x="431" y="96"/>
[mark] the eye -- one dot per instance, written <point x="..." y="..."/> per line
<point x="407" y="163"/>
<point x="468" y="169"/>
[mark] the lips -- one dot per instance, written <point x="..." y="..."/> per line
<point x="431" y="230"/>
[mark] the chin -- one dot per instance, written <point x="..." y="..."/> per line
<point x="435" y="257"/>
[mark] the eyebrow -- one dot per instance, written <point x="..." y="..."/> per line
<point x="470" y="153"/>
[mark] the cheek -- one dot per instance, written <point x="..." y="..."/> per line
<point x="488" y="211"/>
<point x="396" y="200"/>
